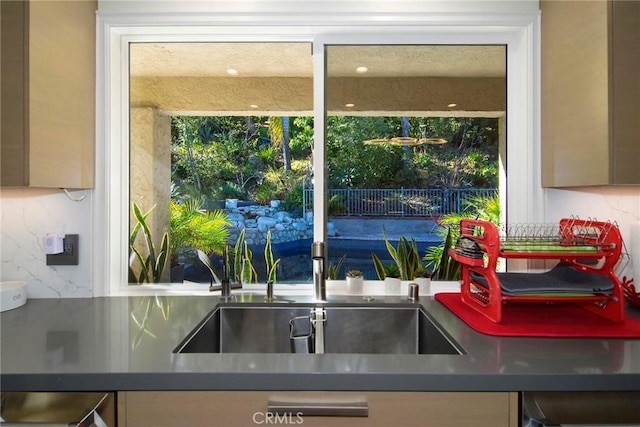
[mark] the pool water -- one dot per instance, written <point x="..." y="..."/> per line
<point x="295" y="259"/>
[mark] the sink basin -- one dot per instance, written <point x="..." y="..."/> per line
<point x="349" y="328"/>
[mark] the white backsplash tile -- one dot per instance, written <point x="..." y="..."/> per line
<point x="612" y="203"/>
<point x="619" y="204"/>
<point x="27" y="215"/>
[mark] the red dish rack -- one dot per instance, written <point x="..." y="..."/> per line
<point x="587" y="245"/>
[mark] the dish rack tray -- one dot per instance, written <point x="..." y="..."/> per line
<point x="588" y="251"/>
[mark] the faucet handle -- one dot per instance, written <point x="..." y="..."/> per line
<point x="414" y="292"/>
<point x="317" y="250"/>
<point x="269" y="296"/>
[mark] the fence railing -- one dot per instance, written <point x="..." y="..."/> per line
<point x="398" y="202"/>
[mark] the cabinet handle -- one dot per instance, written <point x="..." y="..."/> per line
<point x="352" y="406"/>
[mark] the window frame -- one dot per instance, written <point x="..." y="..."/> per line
<point x="518" y="31"/>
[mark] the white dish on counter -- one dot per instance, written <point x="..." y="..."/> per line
<point x="13" y="294"/>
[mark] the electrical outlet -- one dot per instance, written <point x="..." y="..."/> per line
<point x="69" y="256"/>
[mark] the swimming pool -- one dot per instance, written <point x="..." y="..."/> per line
<point x="295" y="259"/>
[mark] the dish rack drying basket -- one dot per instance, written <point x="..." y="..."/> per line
<point x="588" y="251"/>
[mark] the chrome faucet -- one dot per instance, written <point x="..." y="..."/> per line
<point x="319" y="279"/>
<point x="318" y="314"/>
<point x="225" y="293"/>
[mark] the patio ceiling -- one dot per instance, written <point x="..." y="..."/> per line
<point x="195" y="78"/>
<point x="294" y="60"/>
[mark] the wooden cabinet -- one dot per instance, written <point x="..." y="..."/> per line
<point x="599" y="408"/>
<point x="590" y="92"/>
<point x="48" y="93"/>
<point x="249" y="408"/>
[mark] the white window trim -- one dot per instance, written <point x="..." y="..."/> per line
<point x="520" y="32"/>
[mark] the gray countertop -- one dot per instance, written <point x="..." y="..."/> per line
<point x="126" y="343"/>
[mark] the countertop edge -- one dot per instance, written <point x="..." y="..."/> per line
<point x="193" y="381"/>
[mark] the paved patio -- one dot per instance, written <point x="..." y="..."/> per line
<point x="422" y="229"/>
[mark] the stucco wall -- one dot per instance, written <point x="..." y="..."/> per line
<point x="200" y="95"/>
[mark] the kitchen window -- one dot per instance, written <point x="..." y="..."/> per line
<point x="112" y="216"/>
<point x="227" y="123"/>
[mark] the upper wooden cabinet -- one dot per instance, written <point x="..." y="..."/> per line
<point x="590" y="92"/>
<point x="48" y="93"/>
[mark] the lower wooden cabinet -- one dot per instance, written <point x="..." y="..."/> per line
<point x="247" y="408"/>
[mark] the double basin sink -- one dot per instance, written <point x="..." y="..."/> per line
<point x="348" y="328"/>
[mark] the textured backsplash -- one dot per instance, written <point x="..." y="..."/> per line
<point x="27" y="214"/>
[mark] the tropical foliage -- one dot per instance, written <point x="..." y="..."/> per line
<point x="146" y="263"/>
<point x="469" y="159"/>
<point x="266" y="158"/>
<point x="481" y="207"/>
<point x="406" y="257"/>
<point x="333" y="270"/>
<point x="243" y="269"/>
<point x="239" y="157"/>
<point x="270" y="262"/>
<point x="193" y="227"/>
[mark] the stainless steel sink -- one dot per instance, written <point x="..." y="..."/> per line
<point x="349" y="328"/>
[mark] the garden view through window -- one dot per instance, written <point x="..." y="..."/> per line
<point x="410" y="143"/>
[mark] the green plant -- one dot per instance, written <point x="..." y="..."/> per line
<point x="391" y="270"/>
<point x="354" y="273"/>
<point x="336" y="205"/>
<point x="271" y="263"/>
<point x="293" y="200"/>
<point x="334" y="269"/>
<point x="243" y="270"/>
<point x="194" y="228"/>
<point x="264" y="193"/>
<point x="151" y="263"/>
<point x="422" y="271"/>
<point x="378" y="266"/>
<point x="448" y="268"/>
<point x="437" y="257"/>
<point x="384" y="271"/>
<point x="249" y="273"/>
<point x="204" y="258"/>
<point x="406" y="257"/>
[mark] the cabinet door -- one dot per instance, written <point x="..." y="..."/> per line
<point x="12" y="93"/>
<point x="239" y="408"/>
<point x="48" y="93"/>
<point x="62" y="74"/>
<point x="590" y="63"/>
<point x="575" y="93"/>
<point x="626" y="91"/>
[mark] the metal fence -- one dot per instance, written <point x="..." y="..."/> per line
<point x="398" y="202"/>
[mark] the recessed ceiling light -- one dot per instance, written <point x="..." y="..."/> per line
<point x="361" y="69"/>
<point x="349" y="105"/>
<point x="232" y="71"/>
<point x="254" y="106"/>
<point x="452" y="105"/>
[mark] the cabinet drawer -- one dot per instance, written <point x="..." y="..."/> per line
<point x="240" y="408"/>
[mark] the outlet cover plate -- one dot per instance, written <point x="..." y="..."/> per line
<point x="70" y="254"/>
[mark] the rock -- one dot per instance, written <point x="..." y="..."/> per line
<point x="282" y="216"/>
<point x="300" y="225"/>
<point x="266" y="222"/>
<point x="235" y="217"/>
<point x="257" y="220"/>
<point x="231" y="203"/>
